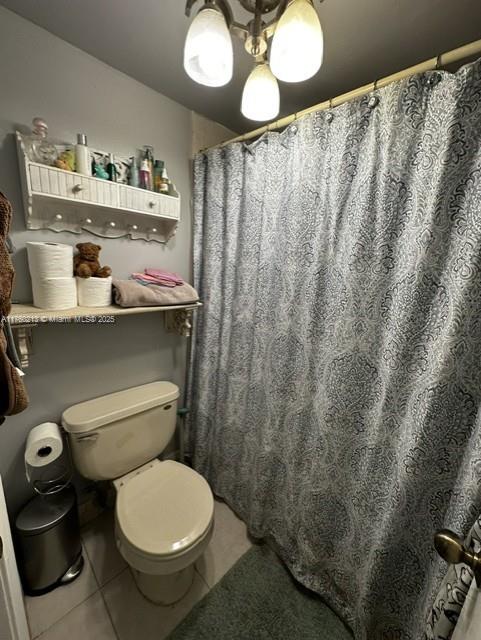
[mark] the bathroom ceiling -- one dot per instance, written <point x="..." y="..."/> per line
<point x="364" y="40"/>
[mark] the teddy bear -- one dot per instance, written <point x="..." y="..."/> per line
<point x="86" y="262"/>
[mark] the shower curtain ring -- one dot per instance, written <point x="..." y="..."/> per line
<point x="438" y="61"/>
<point x="329" y="114"/>
<point x="373" y="100"/>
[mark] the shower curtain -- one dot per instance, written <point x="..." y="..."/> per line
<point x="456" y="612"/>
<point x="337" y="371"/>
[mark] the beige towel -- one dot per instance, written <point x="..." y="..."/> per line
<point x="128" y="293"/>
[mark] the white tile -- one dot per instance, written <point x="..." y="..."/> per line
<point x="135" y="618"/>
<point x="99" y="541"/>
<point x="229" y="542"/>
<point x="44" y="611"/>
<point x="88" y="620"/>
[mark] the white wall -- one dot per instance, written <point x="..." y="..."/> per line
<point x="43" y="75"/>
<point x="206" y="133"/>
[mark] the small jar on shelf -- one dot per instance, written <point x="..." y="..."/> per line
<point x="37" y="145"/>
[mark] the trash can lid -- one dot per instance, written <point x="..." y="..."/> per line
<point x="42" y="513"/>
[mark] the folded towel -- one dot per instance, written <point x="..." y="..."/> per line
<point x="145" y="279"/>
<point x="128" y="293"/>
<point x="164" y="275"/>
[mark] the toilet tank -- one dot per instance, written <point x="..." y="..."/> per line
<point x="114" y="434"/>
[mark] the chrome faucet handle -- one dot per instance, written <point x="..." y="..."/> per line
<point x="451" y="548"/>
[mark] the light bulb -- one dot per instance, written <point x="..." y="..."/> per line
<point x="298" y="43"/>
<point x="208" y="52"/>
<point x="260" y="98"/>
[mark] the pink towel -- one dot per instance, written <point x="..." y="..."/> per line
<point x="145" y="279"/>
<point x="164" y="275"/>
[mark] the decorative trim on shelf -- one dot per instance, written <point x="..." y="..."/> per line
<point x="179" y="322"/>
<point x="22" y="334"/>
<point x="61" y="200"/>
<point x="25" y="317"/>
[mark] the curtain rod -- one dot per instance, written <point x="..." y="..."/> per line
<point x="456" y="55"/>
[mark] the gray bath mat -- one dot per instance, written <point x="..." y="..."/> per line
<point x="258" y="600"/>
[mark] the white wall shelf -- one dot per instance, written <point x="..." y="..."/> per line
<point x="61" y="200"/>
<point x="24" y="317"/>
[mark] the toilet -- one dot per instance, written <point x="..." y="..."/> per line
<point x="164" y="510"/>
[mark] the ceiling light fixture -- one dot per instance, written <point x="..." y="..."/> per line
<point x="208" y="53"/>
<point x="296" y="50"/>
<point x="261" y="98"/>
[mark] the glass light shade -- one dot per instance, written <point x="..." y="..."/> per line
<point x="298" y="43"/>
<point x="260" y="98"/>
<point x="208" y="52"/>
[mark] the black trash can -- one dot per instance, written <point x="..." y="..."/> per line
<point x="47" y="532"/>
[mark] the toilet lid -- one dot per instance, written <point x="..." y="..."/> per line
<point x="165" y="509"/>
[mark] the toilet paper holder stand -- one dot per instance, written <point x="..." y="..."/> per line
<point x="61" y="479"/>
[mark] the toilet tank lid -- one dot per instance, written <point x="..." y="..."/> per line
<point x="98" y="412"/>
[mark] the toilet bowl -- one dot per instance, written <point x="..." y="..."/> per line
<point x="164" y="518"/>
<point x="164" y="510"/>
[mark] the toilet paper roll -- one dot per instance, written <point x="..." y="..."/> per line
<point x="44" y="445"/>
<point x="50" y="260"/>
<point x="54" y="293"/>
<point x="94" y="292"/>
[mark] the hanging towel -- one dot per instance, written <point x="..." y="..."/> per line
<point x="13" y="396"/>
<point x="11" y="348"/>
<point x="6" y="267"/>
<point x="128" y="293"/>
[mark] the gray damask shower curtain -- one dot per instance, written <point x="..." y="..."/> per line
<point x="337" y="372"/>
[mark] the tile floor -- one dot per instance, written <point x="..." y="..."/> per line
<point x="104" y="604"/>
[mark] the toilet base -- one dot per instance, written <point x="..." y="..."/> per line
<point x="165" y="589"/>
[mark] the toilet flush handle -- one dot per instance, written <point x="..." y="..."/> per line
<point x="87" y="437"/>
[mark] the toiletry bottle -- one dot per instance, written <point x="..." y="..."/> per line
<point x="134" y="173"/>
<point x="82" y="156"/>
<point x="149" y="156"/>
<point x="112" y="169"/>
<point x="158" y="167"/>
<point x="37" y="145"/>
<point x="166" y="184"/>
<point x="99" y="171"/>
<point x="145" y="175"/>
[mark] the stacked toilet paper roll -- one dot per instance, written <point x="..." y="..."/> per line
<point x="43" y="454"/>
<point x="44" y="445"/>
<point x="51" y="269"/>
<point x="94" y="292"/>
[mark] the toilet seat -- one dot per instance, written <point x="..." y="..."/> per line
<point x="164" y="511"/>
